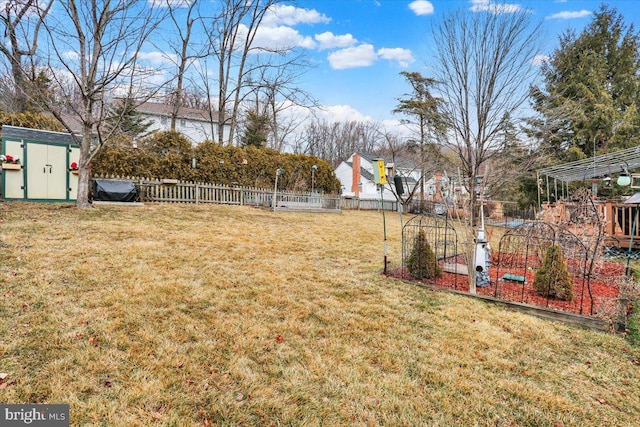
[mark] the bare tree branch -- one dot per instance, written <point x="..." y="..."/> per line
<point x="482" y="61"/>
<point x="94" y="50"/>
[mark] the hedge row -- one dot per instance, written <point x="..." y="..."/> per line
<point x="171" y="155"/>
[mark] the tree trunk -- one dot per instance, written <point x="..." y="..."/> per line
<point x="84" y="169"/>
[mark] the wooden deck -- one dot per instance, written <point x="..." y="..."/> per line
<point x="619" y="224"/>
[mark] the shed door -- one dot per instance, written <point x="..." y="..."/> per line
<point x="37" y="171"/>
<point x="74" y="156"/>
<point x="14" y="179"/>
<point x="46" y="172"/>
<point x="57" y="182"/>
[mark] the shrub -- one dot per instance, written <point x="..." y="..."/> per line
<point x="422" y="263"/>
<point x="170" y="155"/>
<point x="31" y="120"/>
<point x="553" y="279"/>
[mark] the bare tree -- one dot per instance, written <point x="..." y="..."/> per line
<point x="202" y="71"/>
<point x="336" y="141"/>
<point x="278" y="96"/>
<point x="94" y="45"/>
<point x="483" y="62"/>
<point x="405" y="167"/>
<point x="182" y="50"/>
<point x="21" y="20"/>
<point x="232" y="35"/>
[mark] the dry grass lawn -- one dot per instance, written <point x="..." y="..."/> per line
<point x="232" y="316"/>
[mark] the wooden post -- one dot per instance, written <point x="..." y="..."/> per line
<point x="275" y="190"/>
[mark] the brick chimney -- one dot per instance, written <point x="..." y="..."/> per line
<point x="355" y="180"/>
<point x="437" y="195"/>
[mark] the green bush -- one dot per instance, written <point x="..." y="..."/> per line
<point x="170" y="155"/>
<point x="422" y="262"/>
<point x="553" y="279"/>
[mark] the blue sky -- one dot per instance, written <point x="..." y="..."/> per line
<point x="359" y="47"/>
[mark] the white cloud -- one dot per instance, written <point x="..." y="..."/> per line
<point x="404" y="57"/>
<point x="421" y="7"/>
<point x="282" y="37"/>
<point x="157" y="57"/>
<point x="14" y="7"/>
<point x="328" y="40"/>
<point x="365" y="56"/>
<point x="70" y="55"/>
<point x="493" y="7"/>
<point x="341" y="113"/>
<point x="167" y="3"/>
<point x="570" y="14"/>
<point x="276" y="31"/>
<point x="353" y="57"/>
<point x="539" y="60"/>
<point x="290" y="15"/>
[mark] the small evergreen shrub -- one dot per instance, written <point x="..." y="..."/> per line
<point x="422" y="263"/>
<point x="553" y="279"/>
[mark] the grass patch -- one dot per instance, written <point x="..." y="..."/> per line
<point x="214" y="315"/>
<point x="633" y="324"/>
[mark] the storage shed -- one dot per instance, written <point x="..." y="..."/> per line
<point x="44" y="171"/>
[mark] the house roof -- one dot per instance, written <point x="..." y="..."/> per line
<point x="369" y="176"/>
<point x="37" y="135"/>
<point x="158" y="109"/>
<point x="399" y="162"/>
<point x="595" y="167"/>
<point x="369" y="157"/>
<point x="633" y="200"/>
<point x="363" y="172"/>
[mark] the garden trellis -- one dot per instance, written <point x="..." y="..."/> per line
<point x="605" y="166"/>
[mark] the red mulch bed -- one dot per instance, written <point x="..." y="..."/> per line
<point x="595" y="297"/>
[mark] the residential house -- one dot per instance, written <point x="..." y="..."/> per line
<point x="196" y="124"/>
<point x="356" y="177"/>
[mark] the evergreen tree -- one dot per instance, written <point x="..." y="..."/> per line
<point x="422" y="262"/>
<point x="423" y="109"/>
<point x="124" y="119"/>
<point x="590" y="96"/>
<point x="256" y="130"/>
<point x="553" y="279"/>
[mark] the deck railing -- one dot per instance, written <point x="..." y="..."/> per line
<point x="621" y="223"/>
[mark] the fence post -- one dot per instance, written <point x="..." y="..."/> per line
<point x="197" y="190"/>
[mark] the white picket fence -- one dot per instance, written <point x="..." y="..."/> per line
<point x="175" y="191"/>
<point x="367" y="204"/>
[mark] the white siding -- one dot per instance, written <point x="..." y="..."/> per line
<point x="344" y="173"/>
<point x="369" y="189"/>
<point x="195" y="130"/>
